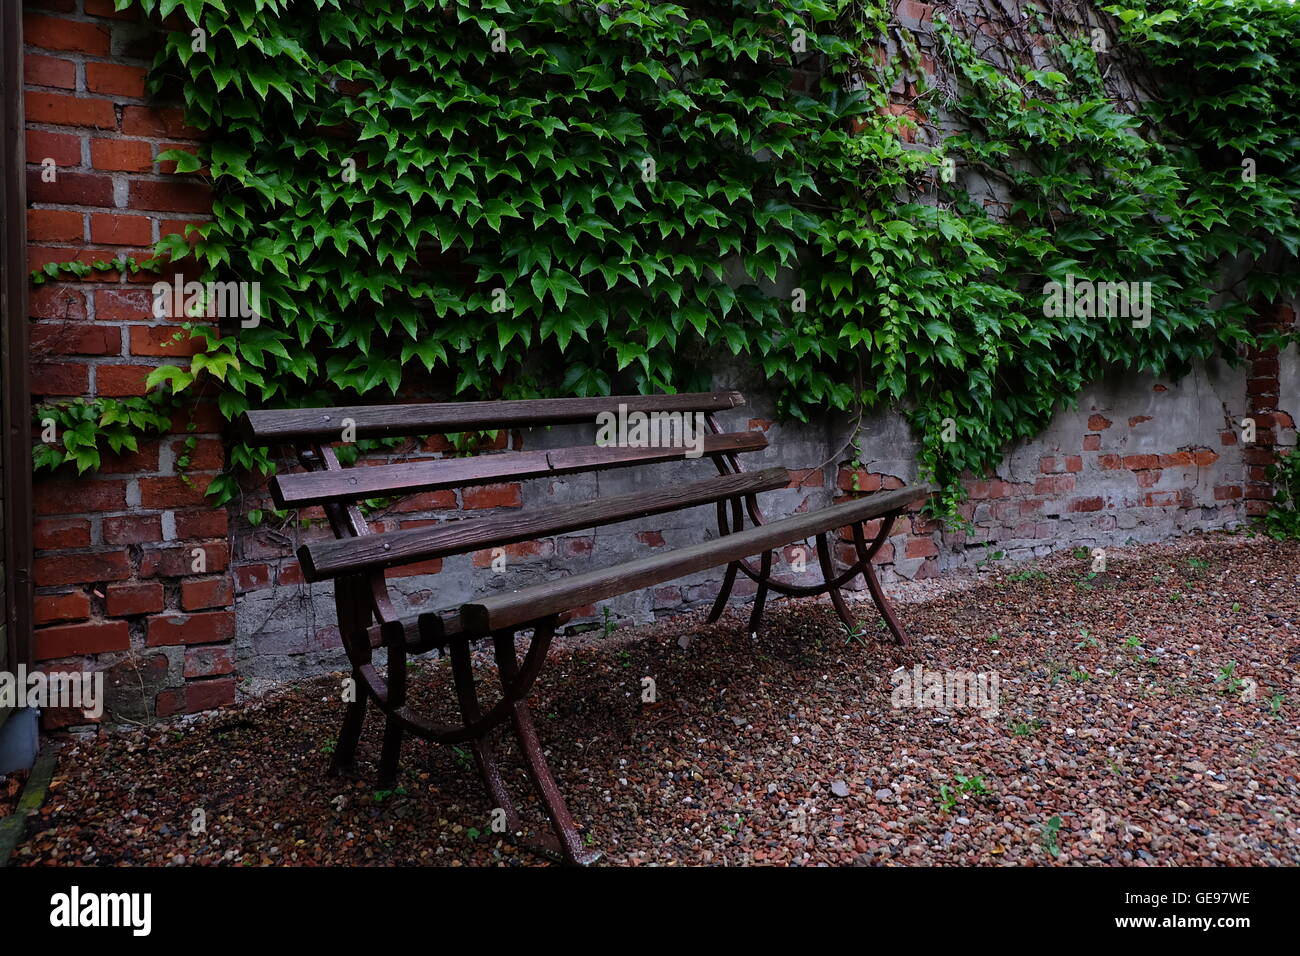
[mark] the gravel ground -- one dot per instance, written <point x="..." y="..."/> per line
<point x="1144" y="716"/>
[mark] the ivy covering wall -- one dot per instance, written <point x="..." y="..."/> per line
<point x="524" y="198"/>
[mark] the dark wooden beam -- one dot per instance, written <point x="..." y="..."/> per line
<point x="268" y="427"/>
<point x="404" y="478"/>
<point x="327" y="559"/>
<point x="524" y="605"/>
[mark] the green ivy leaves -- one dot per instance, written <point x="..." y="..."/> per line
<point x="540" y="196"/>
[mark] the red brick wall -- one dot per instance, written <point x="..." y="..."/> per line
<point x="115" y="567"/>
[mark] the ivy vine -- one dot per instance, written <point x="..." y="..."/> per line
<point x="510" y="199"/>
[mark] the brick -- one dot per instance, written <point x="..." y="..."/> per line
<point x="252" y="577"/>
<point x="1179" y="459"/>
<point x="143" y="459"/>
<point x="49" y="71"/>
<point x="179" y="227"/>
<point x="173" y="492"/>
<point x="119" y="380"/>
<point x="1054" y="485"/>
<point x="119" y="304"/>
<point x="1136" y="420"/>
<point x="867" y="482"/>
<point x="1204" y="457"/>
<point x="921" y="548"/>
<point x="157" y="123"/>
<point x="60" y="533"/>
<point x="131" y="529"/>
<point x="1110" y="462"/>
<point x="126" y="600"/>
<point x="493" y="496"/>
<point x="170" y="702"/>
<point x="1092" y="443"/>
<point x="51" y="608"/>
<point x="1227" y="492"/>
<point x="290" y="573"/>
<point x="53" y="570"/>
<point x="71" y="189"/>
<point x="209" y="694"/>
<point x="206" y="627"/>
<point x="61" y="378"/>
<point x="180" y="561"/>
<point x="208" y="454"/>
<point x="202" y="524"/>
<point x="1139" y="462"/>
<point x="115" y="79"/>
<point x="170" y="197"/>
<point x="520" y="551"/>
<point x="433" y="566"/>
<point x="113" y="230"/>
<point x="208" y="661"/>
<point x="93" y="637"/>
<point x="63" y="110"/>
<point x="163" y="340"/>
<point x="67" y="338"/>
<point x="203" y="594"/>
<point x="121" y="155"/>
<point x="1086" y="504"/>
<point x="576" y="547"/>
<point x="75" y="36"/>
<point x="63" y="148"/>
<point x="651" y="539"/>
<point x="1149" y="478"/>
<point x="78" y="497"/>
<point x="56" y="302"/>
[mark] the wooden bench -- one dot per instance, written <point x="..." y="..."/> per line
<point x="356" y="559"/>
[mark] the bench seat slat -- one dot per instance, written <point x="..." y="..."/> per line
<point x="353" y="484"/>
<point x="524" y="605"/>
<point x="272" y="426"/>
<point x="326" y="559"/>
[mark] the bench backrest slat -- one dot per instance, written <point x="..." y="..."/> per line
<point x="269" y="427"/>
<point x="404" y="478"/>
<point x="325" y="559"/>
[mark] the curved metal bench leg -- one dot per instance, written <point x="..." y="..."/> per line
<point x="485" y="758"/>
<point x="865" y="554"/>
<point x="760" y="596"/>
<point x="828" y="575"/>
<point x="351" y="598"/>
<point x="878" y="596"/>
<point x="569" y="841"/>
<point x="728" y="582"/>
<point x="354" y="718"/>
<point x="391" y="754"/>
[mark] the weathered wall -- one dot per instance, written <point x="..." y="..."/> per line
<point x="117" y="585"/>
